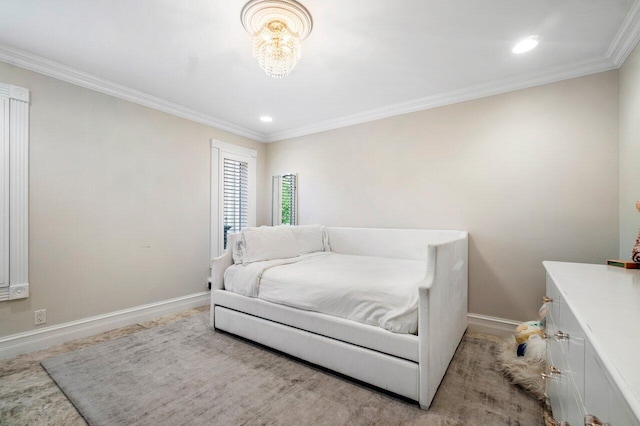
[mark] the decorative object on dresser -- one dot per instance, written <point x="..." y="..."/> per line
<point x="626" y="264"/>
<point x="592" y="376"/>
<point x="635" y="253"/>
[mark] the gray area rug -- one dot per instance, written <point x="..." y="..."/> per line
<point x="183" y="373"/>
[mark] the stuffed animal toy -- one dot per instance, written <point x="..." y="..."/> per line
<point x="635" y="253"/>
<point x="529" y="339"/>
<point x="522" y="358"/>
<point x="527" y="329"/>
<point x="534" y="349"/>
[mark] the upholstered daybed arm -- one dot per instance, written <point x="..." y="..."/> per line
<point x="442" y="312"/>
<point x="218" y="266"/>
<point x="221" y="263"/>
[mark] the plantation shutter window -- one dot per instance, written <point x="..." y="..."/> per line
<point x="14" y="192"/>
<point x="236" y="196"/>
<point x="285" y="200"/>
<point x="289" y="201"/>
<point x="233" y="192"/>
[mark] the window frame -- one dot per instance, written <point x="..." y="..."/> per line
<point x="14" y="144"/>
<point x="219" y="151"/>
<point x="277" y="199"/>
<point x="244" y="194"/>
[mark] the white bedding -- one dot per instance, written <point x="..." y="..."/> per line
<point x="244" y="279"/>
<point x="371" y="290"/>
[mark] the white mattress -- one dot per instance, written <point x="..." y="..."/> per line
<point x="371" y="290"/>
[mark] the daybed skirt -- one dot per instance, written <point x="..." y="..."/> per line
<point x="400" y="345"/>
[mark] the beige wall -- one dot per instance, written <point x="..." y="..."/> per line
<point x="119" y="203"/>
<point x="119" y="193"/>
<point x="532" y="175"/>
<point x="629" y="152"/>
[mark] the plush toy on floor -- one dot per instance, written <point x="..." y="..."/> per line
<point x="526" y="330"/>
<point x="522" y="358"/>
<point x="534" y="349"/>
<point x="528" y="337"/>
<point x="635" y="253"/>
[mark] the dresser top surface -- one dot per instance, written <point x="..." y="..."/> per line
<point x="606" y="302"/>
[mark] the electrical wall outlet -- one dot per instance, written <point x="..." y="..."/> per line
<point x="40" y="316"/>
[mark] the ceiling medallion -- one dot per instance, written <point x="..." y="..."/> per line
<point x="277" y="28"/>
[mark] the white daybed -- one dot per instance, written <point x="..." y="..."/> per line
<point x="406" y="364"/>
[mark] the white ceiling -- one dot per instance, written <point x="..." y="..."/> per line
<point x="363" y="60"/>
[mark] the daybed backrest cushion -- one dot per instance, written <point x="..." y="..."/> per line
<point x="310" y="238"/>
<point x="278" y="242"/>
<point x="411" y="244"/>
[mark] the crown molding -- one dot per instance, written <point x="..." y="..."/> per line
<point x="622" y="45"/>
<point x="62" y="72"/>
<point x="550" y="75"/>
<point x="627" y="37"/>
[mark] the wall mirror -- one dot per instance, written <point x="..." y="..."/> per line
<point x="284" y="199"/>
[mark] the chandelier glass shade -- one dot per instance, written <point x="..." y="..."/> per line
<point x="276" y="49"/>
<point x="277" y="27"/>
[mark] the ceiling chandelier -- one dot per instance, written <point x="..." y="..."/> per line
<point x="277" y="27"/>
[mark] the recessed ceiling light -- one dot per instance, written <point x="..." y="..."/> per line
<point x="266" y="119"/>
<point x="526" y="44"/>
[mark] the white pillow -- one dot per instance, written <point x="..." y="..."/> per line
<point x="310" y="238"/>
<point x="265" y="243"/>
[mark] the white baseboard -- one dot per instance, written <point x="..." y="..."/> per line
<point x="491" y="325"/>
<point x="42" y="338"/>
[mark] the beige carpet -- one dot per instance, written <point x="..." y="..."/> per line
<point x="29" y="397"/>
<point x="247" y="384"/>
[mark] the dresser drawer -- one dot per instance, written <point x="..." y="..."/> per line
<point x="552" y="292"/>
<point x="602" y="398"/>
<point x="621" y="413"/>
<point x="555" y="355"/>
<point x="575" y="407"/>
<point x="556" y="388"/>
<point x="571" y="338"/>
<point x="566" y="337"/>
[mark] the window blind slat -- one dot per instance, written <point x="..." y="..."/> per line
<point x="236" y="201"/>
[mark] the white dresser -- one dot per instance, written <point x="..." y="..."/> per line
<point x="593" y="349"/>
